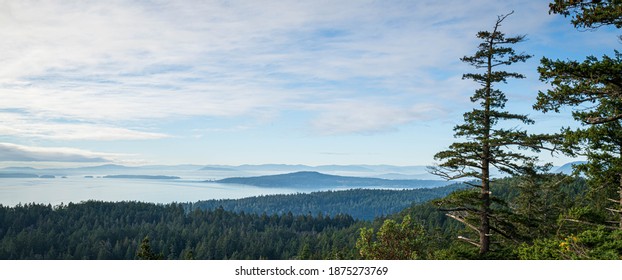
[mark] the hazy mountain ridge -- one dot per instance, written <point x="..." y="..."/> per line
<point x="389" y="172"/>
<point x="148" y="177"/>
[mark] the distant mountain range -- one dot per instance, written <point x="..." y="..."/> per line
<point x="202" y="172"/>
<point x="224" y="171"/>
<point x="320" y="168"/>
<point x="312" y="179"/>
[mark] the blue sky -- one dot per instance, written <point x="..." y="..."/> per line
<point x="236" y="82"/>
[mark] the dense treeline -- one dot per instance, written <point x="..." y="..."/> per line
<point x="106" y="230"/>
<point x="361" y="204"/>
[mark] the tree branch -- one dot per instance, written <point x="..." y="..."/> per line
<point x="601" y="120"/>
<point x="462" y="221"/>
<point x="459" y="209"/>
<point x="470" y="241"/>
<point x="503" y="234"/>
<point x="588" y="223"/>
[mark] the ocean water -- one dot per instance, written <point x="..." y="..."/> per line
<point x="76" y="189"/>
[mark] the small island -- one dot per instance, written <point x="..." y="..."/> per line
<point x="18" y="175"/>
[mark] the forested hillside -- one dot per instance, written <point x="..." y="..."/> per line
<point x="364" y="204"/>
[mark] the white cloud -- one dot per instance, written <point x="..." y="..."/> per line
<point x="362" y="117"/>
<point x="14" y="124"/>
<point x="107" y="64"/>
<point x="13" y="152"/>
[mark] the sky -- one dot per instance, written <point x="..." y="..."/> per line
<point x="252" y="82"/>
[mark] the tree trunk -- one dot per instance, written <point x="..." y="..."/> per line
<point x="620" y="205"/>
<point x="484" y="233"/>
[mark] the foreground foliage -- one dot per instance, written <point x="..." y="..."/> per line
<point x="595" y="244"/>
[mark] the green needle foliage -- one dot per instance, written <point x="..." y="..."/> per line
<point x="593" y="89"/>
<point x="589" y="13"/>
<point x="146" y="253"/>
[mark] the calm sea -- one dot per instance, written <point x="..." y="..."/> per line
<point x="76" y="189"/>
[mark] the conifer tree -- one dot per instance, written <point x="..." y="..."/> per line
<point x="486" y="144"/>
<point x="593" y="89"/>
<point x="146" y="253"/>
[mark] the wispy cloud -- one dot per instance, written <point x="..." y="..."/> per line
<point x="109" y="63"/>
<point x="13" y="152"/>
<point x="360" y="117"/>
<point x="22" y="125"/>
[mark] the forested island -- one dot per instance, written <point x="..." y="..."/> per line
<point x="313" y="180"/>
<point x="23" y="175"/>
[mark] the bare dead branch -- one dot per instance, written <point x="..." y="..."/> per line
<point x="470" y="241"/>
<point x="588" y="223"/>
<point x="462" y="221"/>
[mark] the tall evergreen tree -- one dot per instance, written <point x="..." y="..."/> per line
<point x="487" y="144"/>
<point x="593" y="89"/>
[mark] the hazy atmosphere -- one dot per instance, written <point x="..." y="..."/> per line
<point x="236" y="82"/>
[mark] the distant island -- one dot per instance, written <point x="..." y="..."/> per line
<point x="151" y="177"/>
<point x="312" y="179"/>
<point x="18" y="175"/>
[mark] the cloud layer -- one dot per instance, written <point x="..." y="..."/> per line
<point x="12" y="152"/>
<point x="174" y="79"/>
<point x="107" y="63"/>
